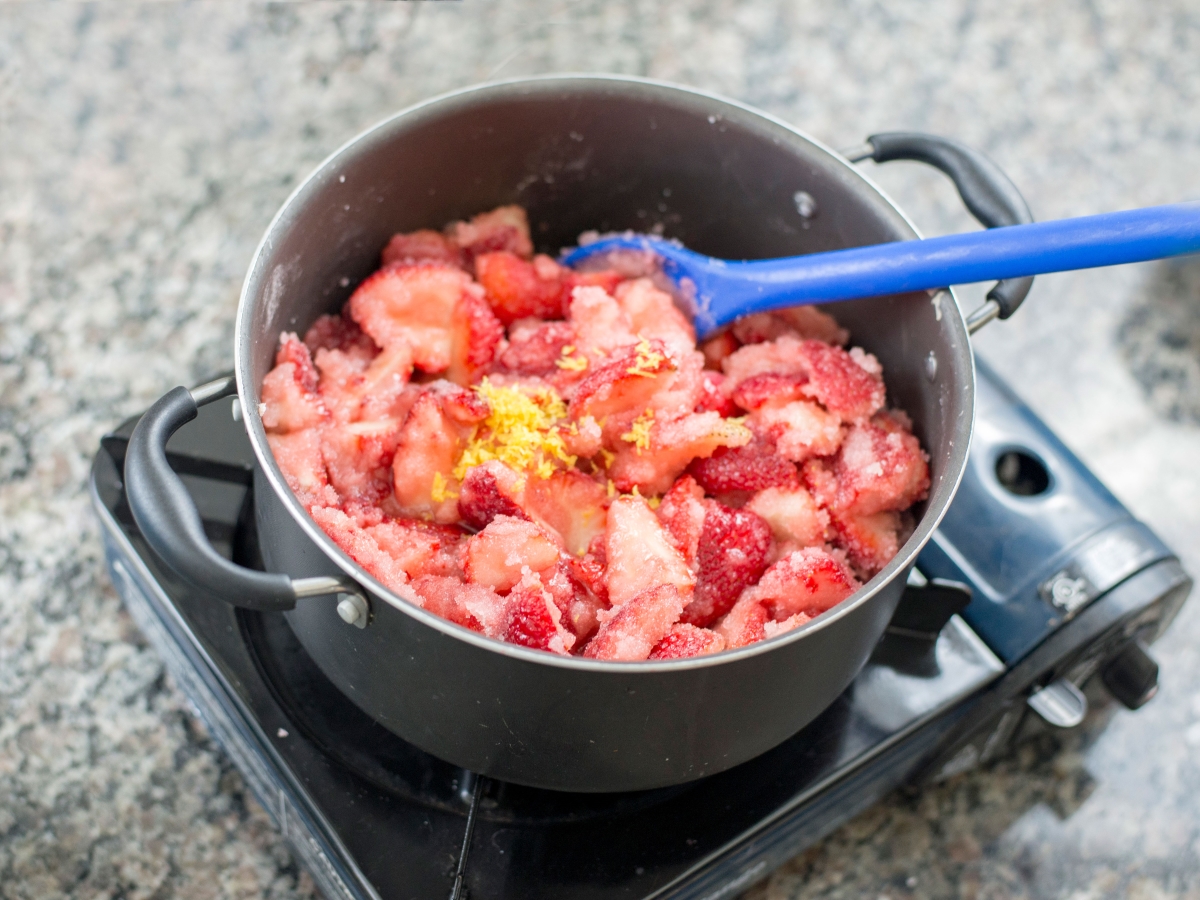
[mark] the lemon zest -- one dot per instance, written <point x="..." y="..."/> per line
<point x="570" y="361"/>
<point x="648" y="360"/>
<point x="639" y="432"/>
<point x="608" y="456"/>
<point x="521" y="430"/>
<point x="438" y="492"/>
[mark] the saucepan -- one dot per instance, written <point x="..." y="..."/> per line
<point x="579" y="153"/>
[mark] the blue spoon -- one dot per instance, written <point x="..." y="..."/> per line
<point x="725" y="290"/>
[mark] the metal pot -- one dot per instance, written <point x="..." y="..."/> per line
<point x="579" y="153"/>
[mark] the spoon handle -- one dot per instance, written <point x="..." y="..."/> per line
<point x="1085" y="242"/>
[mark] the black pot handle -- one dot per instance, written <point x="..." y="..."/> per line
<point x="986" y="191"/>
<point x="167" y="517"/>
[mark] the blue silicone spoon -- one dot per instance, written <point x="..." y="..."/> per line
<point x="725" y="290"/>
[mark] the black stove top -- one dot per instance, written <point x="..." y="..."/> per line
<point x="1065" y="582"/>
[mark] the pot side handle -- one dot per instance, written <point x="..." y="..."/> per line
<point x="169" y="521"/>
<point x="987" y="192"/>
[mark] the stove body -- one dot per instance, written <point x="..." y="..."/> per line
<point x="1065" y="585"/>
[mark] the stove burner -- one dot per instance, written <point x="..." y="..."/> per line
<point x="950" y="686"/>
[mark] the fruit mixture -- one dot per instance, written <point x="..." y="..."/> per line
<point x="546" y="456"/>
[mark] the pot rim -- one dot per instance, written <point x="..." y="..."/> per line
<point x="900" y="564"/>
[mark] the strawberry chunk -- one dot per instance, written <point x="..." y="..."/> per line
<point x="533" y="619"/>
<point x="849" y="385"/>
<point x="298" y="454"/>
<point x="289" y="391"/>
<point x="771" y="629"/>
<point x="685" y="640"/>
<point x="503" y="228"/>
<point x="750" y="468"/>
<point x="758" y="390"/>
<point x="717" y="349"/>
<point x="570" y="503"/>
<point x="414" y="305"/>
<point x="358" y="459"/>
<point x="713" y="397"/>
<point x="881" y="466"/>
<point x="634" y="629"/>
<point x="578" y="605"/>
<point x="516" y="288"/>
<point x="732" y="554"/>
<point x="421" y="246"/>
<point x="536" y="347"/>
<point x="654" y="315"/>
<point x="671" y="444"/>
<point x="497" y="556"/>
<point x="601" y="326"/>
<point x="475" y="335"/>
<point x="471" y="605"/>
<point x="799" y="429"/>
<point x="792" y="514"/>
<point x="682" y="513"/>
<point x="362" y="547"/>
<point x="744" y="623"/>
<point x="806" y="322"/>
<point x="808" y="581"/>
<point x="782" y="356"/>
<point x="625" y="384"/>
<point x="487" y="491"/>
<point x="418" y="547"/>
<point x="639" y="555"/>
<point x="428" y="446"/>
<point x="870" y="541"/>
<point x="340" y="333"/>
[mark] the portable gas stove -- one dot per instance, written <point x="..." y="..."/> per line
<point x="1064" y="584"/>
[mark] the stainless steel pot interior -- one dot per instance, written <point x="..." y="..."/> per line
<point x="593" y="153"/>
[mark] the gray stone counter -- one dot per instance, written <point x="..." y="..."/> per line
<point x="143" y="149"/>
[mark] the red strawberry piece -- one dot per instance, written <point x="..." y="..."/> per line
<point x="298" y="454"/>
<point x="848" y="384"/>
<point x="503" y="228"/>
<point x="732" y="554"/>
<point x="624" y="384"/>
<point x="758" y="390"/>
<point x="750" y="468"/>
<point x="636" y="627"/>
<point x="577" y="605"/>
<point x="639" y="554"/>
<point x="444" y="597"/>
<point x="798" y="321"/>
<point x="682" y="512"/>
<point x="716" y="349"/>
<point x="414" y="305"/>
<point x="289" y="391"/>
<point x="488" y="491"/>
<point x="535" y="347"/>
<point x="475" y="337"/>
<point x="340" y="333"/>
<point x="421" y="246"/>
<point x="516" y="289"/>
<point x="533" y="619"/>
<point x="570" y="503"/>
<point x="807" y="581"/>
<point x="869" y="540"/>
<point x="509" y="547"/>
<point x="712" y="397"/>
<point x="744" y="623"/>
<point x="880" y="466"/>
<point x="685" y="640"/>
<point x="292" y="350"/>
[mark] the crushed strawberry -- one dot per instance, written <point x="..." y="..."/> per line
<point x="544" y="455"/>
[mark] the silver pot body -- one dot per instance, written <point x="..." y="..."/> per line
<point x="610" y="154"/>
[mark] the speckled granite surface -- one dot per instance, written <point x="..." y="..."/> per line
<point x="143" y="148"/>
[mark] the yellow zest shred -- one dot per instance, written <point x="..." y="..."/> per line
<point x="647" y="362"/>
<point x="639" y="432"/>
<point x="438" y="492"/>
<point x="736" y="432"/>
<point x="522" y="431"/>
<point x="570" y="361"/>
<point x="654" y="502"/>
<point x="612" y="488"/>
<point x="608" y="456"/>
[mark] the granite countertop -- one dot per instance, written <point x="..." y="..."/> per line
<point x="144" y="148"/>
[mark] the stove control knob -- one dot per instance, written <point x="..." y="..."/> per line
<point x="1131" y="675"/>
<point x="1059" y="703"/>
